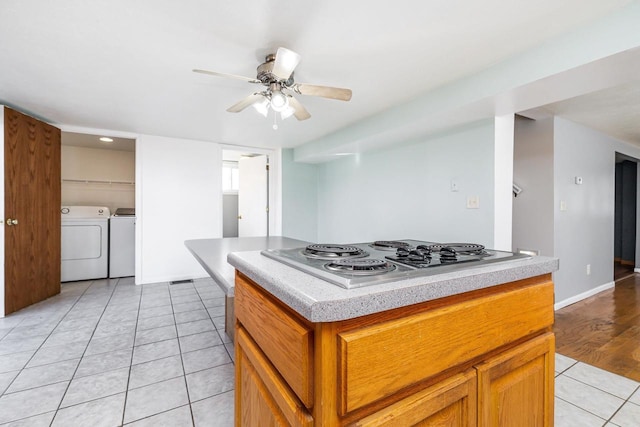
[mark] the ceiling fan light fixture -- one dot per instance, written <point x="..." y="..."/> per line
<point x="276" y="73"/>
<point x="262" y="107"/>
<point x="279" y="101"/>
<point x="287" y="112"/>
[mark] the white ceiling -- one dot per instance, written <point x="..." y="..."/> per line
<point x="614" y="111"/>
<point x="126" y="65"/>
<point x="93" y="141"/>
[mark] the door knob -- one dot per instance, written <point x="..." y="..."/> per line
<point x="239" y="216"/>
<point x="12" y="221"/>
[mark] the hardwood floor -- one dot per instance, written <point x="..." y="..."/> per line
<point x="604" y="330"/>
<point x="620" y="271"/>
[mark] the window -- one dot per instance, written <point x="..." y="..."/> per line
<point x="230" y="174"/>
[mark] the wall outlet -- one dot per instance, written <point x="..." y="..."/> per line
<point x="588" y="269"/>
<point x="473" y="202"/>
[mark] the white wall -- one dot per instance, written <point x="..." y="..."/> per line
<point x="405" y="192"/>
<point x="299" y="199"/>
<point x="503" y="181"/>
<point x="584" y="232"/>
<point x="533" y="209"/>
<point x="114" y="169"/>
<point x="179" y="198"/>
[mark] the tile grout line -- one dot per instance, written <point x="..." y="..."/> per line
<point x="607" y="420"/>
<point x="598" y="388"/>
<point x="582" y="409"/>
<point x="133" y="350"/>
<point x="38" y="349"/>
<point x="184" y="371"/>
<point x="88" y="343"/>
<point x="623" y="403"/>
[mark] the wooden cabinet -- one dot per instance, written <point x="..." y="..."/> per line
<point x="480" y="358"/>
<point x="516" y="387"/>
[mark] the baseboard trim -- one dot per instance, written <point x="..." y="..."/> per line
<point x="636" y="270"/>
<point x="576" y="298"/>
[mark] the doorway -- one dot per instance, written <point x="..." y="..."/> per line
<point x="626" y="187"/>
<point x="245" y="194"/>
<point x="99" y="170"/>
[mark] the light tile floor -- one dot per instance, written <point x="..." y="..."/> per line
<point x="109" y="353"/>
<point x="588" y="396"/>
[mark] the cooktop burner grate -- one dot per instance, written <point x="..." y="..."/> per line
<point x="389" y="245"/>
<point x="461" y="248"/>
<point x="328" y="251"/>
<point x="360" y="266"/>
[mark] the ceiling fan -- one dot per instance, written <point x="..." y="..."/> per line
<point x="276" y="73"/>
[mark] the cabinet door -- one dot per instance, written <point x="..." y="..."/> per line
<point x="449" y="403"/>
<point x="262" y="396"/>
<point x="515" y="388"/>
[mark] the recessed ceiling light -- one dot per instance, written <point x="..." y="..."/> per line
<point x="105" y="139"/>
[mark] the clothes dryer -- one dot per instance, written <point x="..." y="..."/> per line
<point x="85" y="243"/>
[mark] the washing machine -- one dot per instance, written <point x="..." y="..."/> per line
<point x="122" y="243"/>
<point x="85" y="243"/>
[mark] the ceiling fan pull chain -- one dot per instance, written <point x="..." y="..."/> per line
<point x="275" y="120"/>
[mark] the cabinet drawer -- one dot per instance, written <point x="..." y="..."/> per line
<point x="262" y="397"/>
<point x="284" y="339"/>
<point x="377" y="361"/>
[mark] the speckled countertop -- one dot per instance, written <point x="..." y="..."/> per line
<point x="320" y="301"/>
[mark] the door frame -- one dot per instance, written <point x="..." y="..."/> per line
<point x="622" y="157"/>
<point x="117" y="134"/>
<point x="274" y="193"/>
<point x="2" y="218"/>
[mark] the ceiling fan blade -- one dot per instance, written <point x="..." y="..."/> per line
<point x="230" y="76"/>
<point x="239" y="106"/>
<point x="286" y="61"/>
<point x="299" y="111"/>
<point x="323" y="91"/>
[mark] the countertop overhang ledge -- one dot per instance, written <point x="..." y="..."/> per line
<point x="319" y="301"/>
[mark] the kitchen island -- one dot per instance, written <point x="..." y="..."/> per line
<point x="212" y="256"/>
<point x="467" y="347"/>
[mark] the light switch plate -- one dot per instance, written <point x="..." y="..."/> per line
<point x="473" y="202"/>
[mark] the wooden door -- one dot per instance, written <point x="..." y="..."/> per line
<point x="32" y="198"/>
<point x="515" y="388"/>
